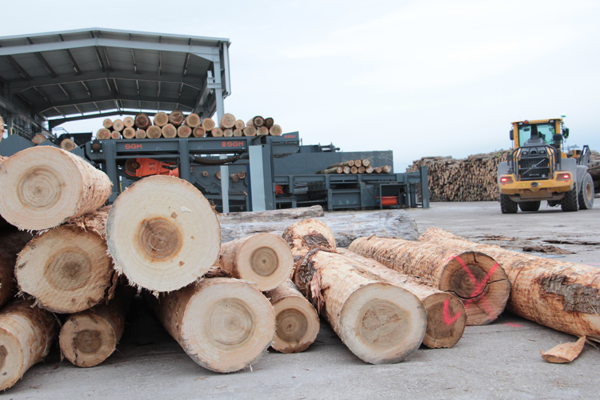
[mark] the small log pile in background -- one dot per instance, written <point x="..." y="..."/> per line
<point x="355" y="167"/>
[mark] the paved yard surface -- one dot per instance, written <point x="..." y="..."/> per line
<point x="496" y="361"/>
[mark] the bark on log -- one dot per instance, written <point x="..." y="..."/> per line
<point x="263" y="258"/>
<point x="446" y="316"/>
<point x="89" y="337"/>
<point x="223" y="324"/>
<point x="378" y="322"/>
<point x="208" y="124"/>
<point x="285" y="214"/>
<point x="217" y="132"/>
<point x="161" y="119"/>
<point x="258" y="121"/>
<point x="169" y="131"/>
<point x="52" y="185"/>
<point x="199" y="132"/>
<point x="239" y="124"/>
<point x="250" y="131"/>
<point x="297" y="320"/>
<point x="26" y="334"/>
<point x="475" y="278"/>
<point x="227" y="121"/>
<point x="192" y="120"/>
<point x="262" y="131"/>
<point x="140" y="134"/>
<point x="142" y="121"/>
<point x="184" y="131"/>
<point x="154" y="132"/>
<point x="560" y="295"/>
<point x="128" y="122"/>
<point x="67" y="268"/>
<point x="118" y="125"/>
<point x="67" y="144"/>
<point x="38" y="139"/>
<point x="162" y="233"/>
<point x="334" y="170"/>
<point x="176" y="118"/>
<point x="11" y="243"/>
<point x="129" y="132"/>
<point x="343" y="164"/>
<point x="275" y="130"/>
<point x="107" y="123"/>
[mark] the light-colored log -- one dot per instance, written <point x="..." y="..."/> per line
<point x="218" y="175"/>
<point x="67" y="144"/>
<point x="346" y="170"/>
<point x="140" y="134"/>
<point x="475" y="278"/>
<point x="103" y="134"/>
<point x="264" y="259"/>
<point x="192" y="120"/>
<point x="343" y="164"/>
<point x="239" y="124"/>
<point x="154" y="132"/>
<point x="361" y="170"/>
<point x="354" y="170"/>
<point x="241" y="174"/>
<point x="107" y="123"/>
<point x="238" y="133"/>
<point x="275" y="130"/>
<point x="223" y="324"/>
<point x="129" y="132"/>
<point x="162" y="233"/>
<point x="227" y="121"/>
<point x="358" y="163"/>
<point x="560" y="295"/>
<point x="387" y="169"/>
<point x="234" y="178"/>
<point x="369" y="170"/>
<point x="118" y="125"/>
<point x="26" y="335"/>
<point x="67" y="268"/>
<point x="334" y="170"/>
<point x="38" y="139"/>
<point x="378" y="170"/>
<point x="184" y="131"/>
<point x="43" y="186"/>
<point x="161" y="119"/>
<point x="297" y="320"/>
<point x="366" y="162"/>
<point x="250" y="122"/>
<point x="228" y="132"/>
<point x="262" y="131"/>
<point x="250" y="131"/>
<point x="169" y="131"/>
<point x="142" y="121"/>
<point x="199" y="132"/>
<point x="11" y="243"/>
<point x="284" y="214"/>
<point x="115" y="135"/>
<point x="217" y="132"/>
<point x="208" y="124"/>
<point x="128" y="122"/>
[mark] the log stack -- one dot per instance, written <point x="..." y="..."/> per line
<point x="355" y="167"/>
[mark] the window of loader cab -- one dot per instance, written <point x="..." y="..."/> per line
<point x="545" y="131"/>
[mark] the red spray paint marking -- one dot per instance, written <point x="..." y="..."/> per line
<point x="513" y="325"/>
<point x="479" y="286"/>
<point x="448" y="320"/>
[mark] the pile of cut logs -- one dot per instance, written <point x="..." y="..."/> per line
<point x="176" y="124"/>
<point x="225" y="302"/>
<point x="355" y="167"/>
<point x="470" y="179"/>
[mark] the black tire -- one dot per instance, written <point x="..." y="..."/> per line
<point x="569" y="202"/>
<point x="507" y="205"/>
<point x="530" y="205"/>
<point x="586" y="194"/>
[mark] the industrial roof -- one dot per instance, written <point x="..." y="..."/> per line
<point x="70" y="75"/>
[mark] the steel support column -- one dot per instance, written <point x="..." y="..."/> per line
<point x="225" y="185"/>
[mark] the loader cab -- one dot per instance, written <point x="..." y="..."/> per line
<point x="549" y="132"/>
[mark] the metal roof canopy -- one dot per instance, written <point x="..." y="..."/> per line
<point x="72" y="75"/>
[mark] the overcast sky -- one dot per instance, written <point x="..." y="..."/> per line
<point x="422" y="78"/>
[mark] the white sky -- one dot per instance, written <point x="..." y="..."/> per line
<point x="422" y="78"/>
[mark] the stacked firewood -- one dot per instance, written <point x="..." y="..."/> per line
<point x="176" y="124"/>
<point x="357" y="166"/>
<point x="470" y="179"/>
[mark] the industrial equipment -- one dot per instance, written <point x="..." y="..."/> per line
<point x="538" y="169"/>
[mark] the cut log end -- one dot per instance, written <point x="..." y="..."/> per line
<point x="227" y="121"/>
<point x="199" y="132"/>
<point x="208" y="124"/>
<point x="176" y="118"/>
<point x="161" y="119"/>
<point x="184" y="131"/>
<point x="67" y="144"/>
<point x="103" y="134"/>
<point x="87" y="340"/>
<point x="154" y="132"/>
<point x="128" y="122"/>
<point x="297" y="325"/>
<point x="107" y="123"/>
<point x="192" y="120"/>
<point x="446" y="321"/>
<point x="169" y="131"/>
<point x="140" y="134"/>
<point x="129" y="132"/>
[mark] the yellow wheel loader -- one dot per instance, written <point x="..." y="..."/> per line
<point x="538" y="169"/>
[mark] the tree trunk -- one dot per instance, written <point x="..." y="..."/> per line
<point x="208" y="124"/>
<point x="239" y="124"/>
<point x="262" y="131"/>
<point x="118" y="125"/>
<point x="107" y="123"/>
<point x="128" y="122"/>
<point x="227" y="121"/>
<point x="26" y="334"/>
<point x="169" y="131"/>
<point x="176" y="118"/>
<point x="67" y="144"/>
<point x="199" y="132"/>
<point x="250" y="131"/>
<point x="67" y="269"/>
<point x="560" y="295"/>
<point x="343" y="164"/>
<point x="129" y="133"/>
<point x="161" y="119"/>
<point x="142" y="121"/>
<point x="89" y="337"/>
<point x="11" y="243"/>
<point x="192" y="120"/>
<point x="53" y="185"/>
<point x="184" y="131"/>
<point x="258" y="121"/>
<point x="154" y="132"/>
<point x="223" y="324"/>
<point x="162" y="233"/>
<point x="475" y="278"/>
<point x="275" y="130"/>
<point x="263" y="258"/>
<point x="140" y="134"/>
<point x="334" y="170"/>
<point x="446" y="316"/>
<point x="39" y="139"/>
<point x="297" y="320"/>
<point x="378" y="322"/>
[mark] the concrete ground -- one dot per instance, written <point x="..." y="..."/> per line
<point x="496" y="361"/>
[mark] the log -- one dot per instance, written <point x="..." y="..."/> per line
<point x="89" y="337"/>
<point x="475" y="278"/>
<point x="369" y="170"/>
<point x="346" y="170"/>
<point x="239" y="124"/>
<point x="199" y="132"/>
<point x="38" y="139"/>
<point x="275" y="130"/>
<point x="118" y="125"/>
<point x="361" y="170"/>
<point x="218" y="175"/>
<point x="358" y="163"/>
<point x="140" y="134"/>
<point x="366" y="162"/>
<point x="264" y="259"/>
<point x="129" y="132"/>
<point x="284" y="214"/>
<point x="561" y="295"/>
<point x="128" y="122"/>
<point x="335" y="170"/>
<point x="208" y="124"/>
<point x="154" y="132"/>
<point x="205" y="173"/>
<point x="446" y="316"/>
<point x="227" y="121"/>
<point x="223" y="324"/>
<point x="378" y="170"/>
<point x="354" y="170"/>
<point x="217" y="132"/>
<point x="228" y="133"/>
<point x="192" y="120"/>
<point x="184" y="131"/>
<point x="343" y="164"/>
<point x="169" y="131"/>
<point x="161" y="119"/>
<point x="67" y="144"/>
<point x="67" y="268"/>
<point x="26" y="334"/>
<point x="380" y="323"/>
<point x="238" y="133"/>
<point x="241" y="175"/>
<point x="176" y="118"/>
<point x="269" y="122"/>
<point x="162" y="233"/>
<point x="234" y="178"/>
<point x="250" y="123"/>
<point x="250" y="131"/>
<point x="11" y="243"/>
<point x="387" y="169"/>
<point x="107" y="123"/>
<point x="346" y="226"/>
<point x="115" y="135"/>
<point x="142" y="121"/>
<point x="297" y="320"/>
<point x="258" y="121"/>
<point x="262" y="131"/>
<point x="53" y="185"/>
<point x="103" y="134"/>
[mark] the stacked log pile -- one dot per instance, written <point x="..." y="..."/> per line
<point x="177" y="124"/>
<point x="470" y="179"/>
<point x="355" y="167"/>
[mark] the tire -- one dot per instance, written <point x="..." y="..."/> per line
<point x="530" y="205"/>
<point x="586" y="194"/>
<point x="569" y="202"/>
<point x="507" y="205"/>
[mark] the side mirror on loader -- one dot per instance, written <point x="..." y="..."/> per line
<point x="557" y="138"/>
<point x="566" y="132"/>
<point x="511" y="134"/>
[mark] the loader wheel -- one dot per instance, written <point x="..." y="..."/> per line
<point x="507" y="205"/>
<point x="586" y="194"/>
<point x="569" y="202"/>
<point x="530" y="205"/>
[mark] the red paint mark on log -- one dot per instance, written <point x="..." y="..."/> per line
<point x="448" y="319"/>
<point x="479" y="286"/>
